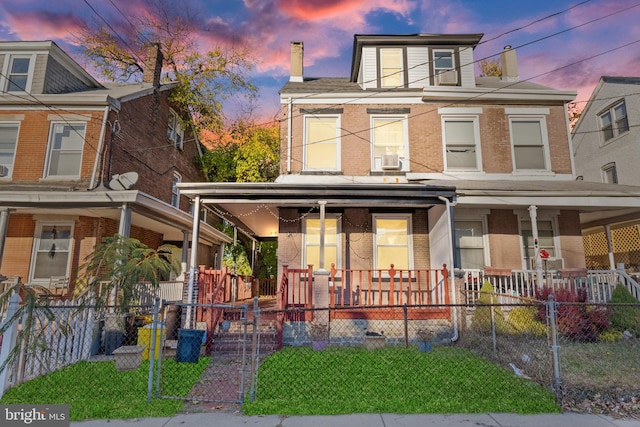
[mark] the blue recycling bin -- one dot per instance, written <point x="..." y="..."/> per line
<point x="189" y="342"/>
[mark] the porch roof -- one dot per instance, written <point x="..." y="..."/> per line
<point x="252" y="204"/>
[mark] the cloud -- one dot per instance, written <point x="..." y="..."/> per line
<point x="43" y="25"/>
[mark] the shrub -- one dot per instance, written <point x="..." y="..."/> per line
<point x="481" y="319"/>
<point x="610" y="336"/>
<point x="523" y="321"/>
<point x="625" y="317"/>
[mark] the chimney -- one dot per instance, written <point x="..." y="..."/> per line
<point x="509" y="64"/>
<point x="153" y="65"/>
<point x="297" y="51"/>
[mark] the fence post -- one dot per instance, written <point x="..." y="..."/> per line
<point x="551" y="309"/>
<point x="405" y="312"/>
<point x="152" y="350"/>
<point x="9" y="341"/>
<point x="254" y="348"/>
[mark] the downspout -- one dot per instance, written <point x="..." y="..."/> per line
<point x="99" y="153"/>
<point x="289" y="122"/>
<point x="447" y="203"/>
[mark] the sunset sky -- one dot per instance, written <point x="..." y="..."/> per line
<point x="564" y="44"/>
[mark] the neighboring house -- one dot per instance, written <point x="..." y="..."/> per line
<point x="414" y="162"/>
<point x="81" y="160"/>
<point x="606" y="148"/>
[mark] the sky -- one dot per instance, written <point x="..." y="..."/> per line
<point x="563" y="44"/>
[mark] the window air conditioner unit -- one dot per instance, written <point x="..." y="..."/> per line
<point x="449" y="77"/>
<point x="390" y="161"/>
<point x="4" y="171"/>
<point x="552" y="264"/>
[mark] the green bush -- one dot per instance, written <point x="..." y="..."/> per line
<point x="610" y="336"/>
<point x="522" y="321"/>
<point x="481" y="319"/>
<point x="625" y="317"/>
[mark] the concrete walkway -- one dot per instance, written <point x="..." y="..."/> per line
<point x="218" y="419"/>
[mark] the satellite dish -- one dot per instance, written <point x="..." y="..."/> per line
<point x="123" y="181"/>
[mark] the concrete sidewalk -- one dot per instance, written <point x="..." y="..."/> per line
<point x="370" y="420"/>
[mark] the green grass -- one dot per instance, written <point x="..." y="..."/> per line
<point x="95" y="390"/>
<point x="300" y="381"/>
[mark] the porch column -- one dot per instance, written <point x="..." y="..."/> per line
<point x="124" y="228"/>
<point x="4" y="225"/>
<point x="185" y="253"/>
<point x="195" y="234"/>
<point x="533" y="215"/>
<point x="322" y="204"/>
<point x="607" y="232"/>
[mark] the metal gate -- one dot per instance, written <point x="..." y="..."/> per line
<point x="203" y="353"/>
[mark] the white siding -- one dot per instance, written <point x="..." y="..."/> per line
<point x="466" y="67"/>
<point x="418" y="64"/>
<point x="370" y="74"/>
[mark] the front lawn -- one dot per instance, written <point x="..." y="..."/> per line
<point x="300" y="381"/>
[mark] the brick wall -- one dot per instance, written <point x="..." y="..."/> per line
<point x="504" y="239"/>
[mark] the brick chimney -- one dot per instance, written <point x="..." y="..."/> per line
<point x="153" y="65"/>
<point x="297" y="54"/>
<point x="509" y="64"/>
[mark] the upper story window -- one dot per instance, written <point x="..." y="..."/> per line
<point x="614" y="121"/>
<point x="312" y="242"/>
<point x="392" y="242"/>
<point x="444" y="67"/>
<point x="18" y="73"/>
<point x="64" y="157"/>
<point x="389" y="141"/>
<point x="530" y="143"/>
<point x="51" y="251"/>
<point x="8" y="142"/>
<point x="461" y="136"/>
<point x="175" y="191"/>
<point x="322" y="143"/>
<point x="609" y="173"/>
<point x="391" y="67"/>
<point x="175" y="133"/>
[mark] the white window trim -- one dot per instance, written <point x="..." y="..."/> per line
<point x="338" y="218"/>
<point x="177" y="176"/>
<point x="15" y="149"/>
<point x="36" y="243"/>
<point x="408" y="217"/>
<point x="175" y="131"/>
<point x="548" y="216"/>
<point x="52" y="125"/>
<point x="545" y="144"/>
<point x="616" y="133"/>
<point x="8" y="61"/>
<point x="405" y="160"/>
<point x="478" y="215"/>
<point x="476" y="137"/>
<point x="611" y="166"/>
<point x="338" y="142"/>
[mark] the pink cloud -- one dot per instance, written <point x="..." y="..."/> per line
<point x="43" y="25"/>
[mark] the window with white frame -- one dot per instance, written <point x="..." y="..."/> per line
<point x="546" y="240"/>
<point x="322" y="143"/>
<point x="312" y="242"/>
<point x="18" y="73"/>
<point x="175" y="133"/>
<point x="51" y="251"/>
<point x="529" y="142"/>
<point x="469" y="245"/>
<point x="461" y="137"/>
<point x="389" y="141"/>
<point x="609" y="173"/>
<point x="8" y="142"/>
<point x="392" y="242"/>
<point x="175" y="191"/>
<point x="66" y="142"/>
<point x="614" y="121"/>
<point x="391" y="67"/>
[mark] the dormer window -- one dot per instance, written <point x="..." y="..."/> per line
<point x="444" y="67"/>
<point x="17" y="74"/>
<point x="391" y="67"/>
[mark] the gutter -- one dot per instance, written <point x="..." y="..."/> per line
<point x="456" y="333"/>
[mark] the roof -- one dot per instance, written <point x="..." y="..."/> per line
<point x="621" y="80"/>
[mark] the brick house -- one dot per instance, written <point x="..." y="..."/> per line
<point x="412" y="163"/>
<point x="81" y="160"/>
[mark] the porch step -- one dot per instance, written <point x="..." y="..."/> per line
<point x="232" y="342"/>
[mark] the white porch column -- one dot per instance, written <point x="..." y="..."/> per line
<point x="124" y="228"/>
<point x="322" y="204"/>
<point x="194" y="259"/>
<point x="533" y="215"/>
<point x="607" y="232"/>
<point x="4" y="225"/>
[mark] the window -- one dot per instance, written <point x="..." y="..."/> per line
<point x="389" y="137"/>
<point x="8" y="141"/>
<point x="469" y="249"/>
<point x="312" y="242"/>
<point x="65" y="149"/>
<point x="461" y="136"/>
<point x="175" y="191"/>
<point x="322" y="142"/>
<point x="18" y="74"/>
<point x="442" y="61"/>
<point x="51" y="251"/>
<point x="546" y="241"/>
<point x="391" y="67"/>
<point x="392" y="241"/>
<point x="609" y="173"/>
<point x="529" y="139"/>
<point x="614" y="121"/>
<point x="175" y="133"/>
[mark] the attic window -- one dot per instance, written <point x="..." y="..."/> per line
<point x="614" y="121"/>
<point x="391" y="70"/>
<point x="18" y="74"/>
<point x="175" y="133"/>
